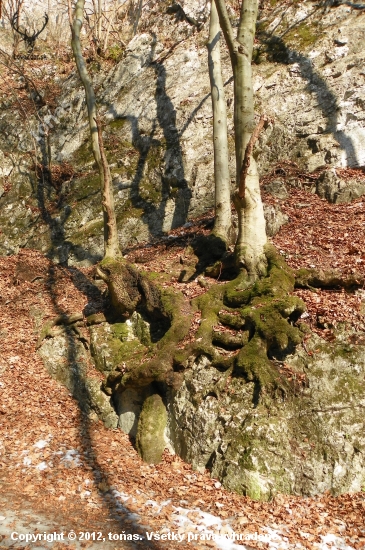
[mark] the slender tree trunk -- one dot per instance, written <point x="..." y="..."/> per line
<point x="251" y="222"/>
<point x="110" y="221"/>
<point x="111" y="244"/>
<point x="223" y="218"/>
<point x="137" y="15"/>
<point x="99" y="23"/>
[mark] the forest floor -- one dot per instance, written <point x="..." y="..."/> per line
<point x="62" y="472"/>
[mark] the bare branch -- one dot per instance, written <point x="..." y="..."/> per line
<point x="225" y="24"/>
<point x="247" y="158"/>
<point x="112" y="244"/>
<point x="69" y="10"/>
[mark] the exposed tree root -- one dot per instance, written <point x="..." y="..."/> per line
<point x="247" y="326"/>
<point x="314" y="279"/>
<point x="130" y="290"/>
<point x="255" y="319"/>
<point x="61" y="321"/>
<point x="264" y="316"/>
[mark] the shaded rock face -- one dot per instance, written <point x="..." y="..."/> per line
<point x="307" y="444"/>
<point x="158" y="131"/>
<point x="335" y="190"/>
<point x="66" y="360"/>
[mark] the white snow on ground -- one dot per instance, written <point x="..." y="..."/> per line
<point x="329" y="542"/>
<point x="41" y="444"/>
<point x="72" y="457"/>
<point x="195" y="520"/>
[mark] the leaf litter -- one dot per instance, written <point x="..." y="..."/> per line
<point x="69" y="468"/>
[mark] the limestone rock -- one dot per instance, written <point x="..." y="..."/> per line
<point x="159" y="115"/>
<point x="151" y="430"/>
<point x="277" y="188"/>
<point x="101" y="403"/>
<point x="111" y="344"/>
<point x="307" y="444"/>
<point x="104" y="346"/>
<point x="129" y="406"/>
<point x="66" y="361"/>
<point x="336" y="190"/>
<point x="274" y="218"/>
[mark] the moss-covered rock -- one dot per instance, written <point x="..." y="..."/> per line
<point x="111" y="345"/>
<point x="305" y="443"/>
<point x="150" y="440"/>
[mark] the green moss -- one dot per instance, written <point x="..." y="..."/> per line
<point x="128" y="211"/>
<point x="85" y="187"/>
<point x="91" y="229"/>
<point x="253" y="363"/>
<point x="150" y="186"/>
<point x="266" y="316"/>
<point x="172" y="305"/>
<point x="117" y="123"/>
<point x="209" y="304"/>
<point x="303" y="36"/>
<point x="83" y="156"/>
<point x="279" y="282"/>
<point x="115" y="53"/>
<point x="163" y="307"/>
<point x="95" y="319"/>
<point x="150" y="441"/>
<point x="120" y="331"/>
<point x="153" y="275"/>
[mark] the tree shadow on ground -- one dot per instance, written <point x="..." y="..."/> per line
<point x="124" y="520"/>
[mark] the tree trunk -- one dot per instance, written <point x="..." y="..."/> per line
<point x="251" y="222"/>
<point x="111" y="244"/>
<point x="223" y="218"/>
<point x="137" y="15"/>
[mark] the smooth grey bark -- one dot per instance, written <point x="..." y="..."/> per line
<point x="111" y="242"/>
<point x="251" y="222"/>
<point x="223" y="217"/>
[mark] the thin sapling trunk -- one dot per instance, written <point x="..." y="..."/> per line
<point x="223" y="218"/>
<point x="111" y="244"/>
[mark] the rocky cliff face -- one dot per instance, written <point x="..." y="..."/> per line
<point x="158" y="125"/>
<point x="306" y="442"/>
<point x="309" y="80"/>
